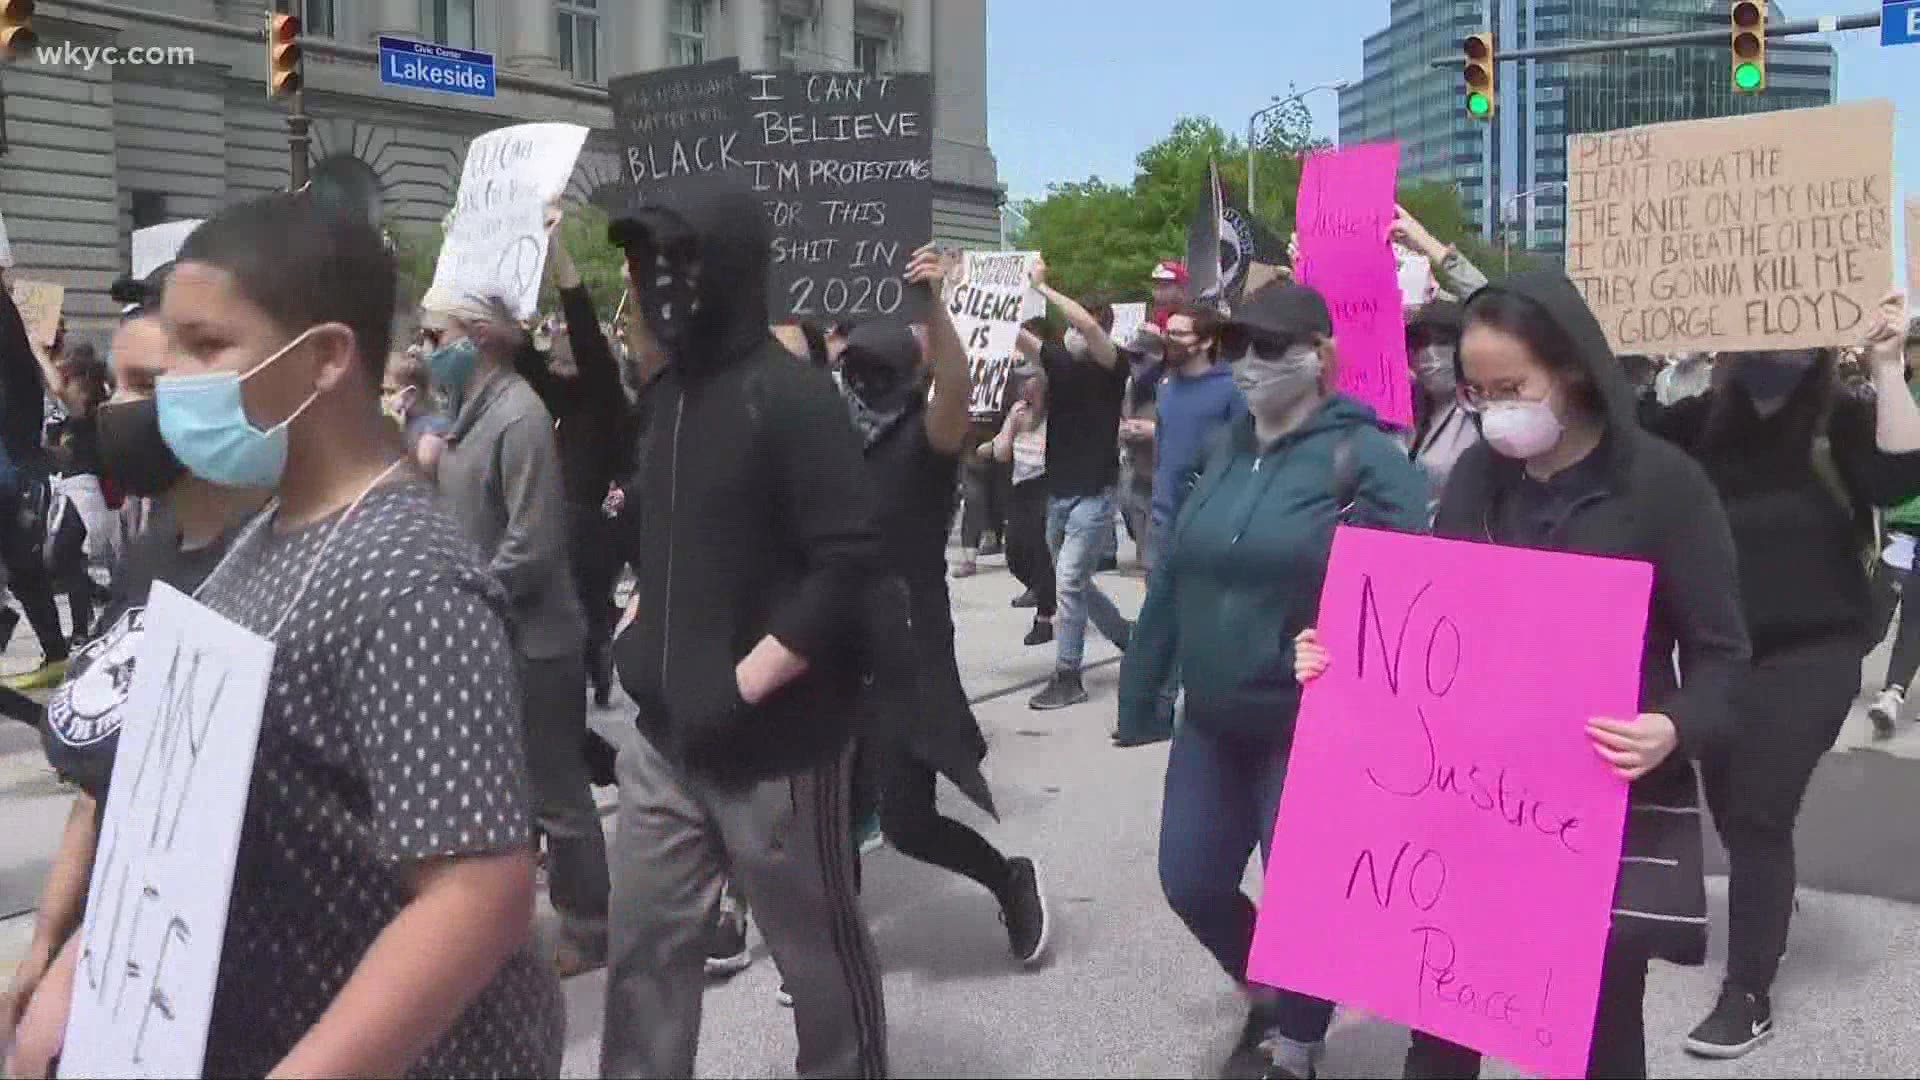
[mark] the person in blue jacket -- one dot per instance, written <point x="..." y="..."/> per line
<point x="1240" y="576"/>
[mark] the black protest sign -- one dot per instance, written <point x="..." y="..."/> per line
<point x="678" y="127"/>
<point x="844" y="164"/>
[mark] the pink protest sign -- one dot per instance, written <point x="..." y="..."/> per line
<point x="1341" y="222"/>
<point x="1448" y="840"/>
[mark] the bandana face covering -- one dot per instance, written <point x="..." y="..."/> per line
<point x="872" y="423"/>
<point x="1770" y="378"/>
<point x="1433" y="366"/>
<point x="666" y="286"/>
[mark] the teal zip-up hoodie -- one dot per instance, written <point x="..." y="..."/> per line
<point x="1247" y="561"/>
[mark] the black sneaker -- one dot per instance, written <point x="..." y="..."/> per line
<point x="727" y="945"/>
<point x="1025" y="913"/>
<point x="1024" y="600"/>
<point x="992" y="547"/>
<point x="1107" y="565"/>
<point x="1040" y="633"/>
<point x="1062" y="690"/>
<point x="1740" y="1022"/>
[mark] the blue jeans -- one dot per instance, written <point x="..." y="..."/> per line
<point x="1078" y="530"/>
<point x="1222" y="792"/>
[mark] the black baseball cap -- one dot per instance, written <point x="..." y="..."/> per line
<point x="1279" y="315"/>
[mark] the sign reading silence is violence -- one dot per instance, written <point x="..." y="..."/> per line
<point x="843" y="163"/>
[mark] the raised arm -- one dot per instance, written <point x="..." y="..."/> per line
<point x="1099" y="345"/>
<point x="947" y="419"/>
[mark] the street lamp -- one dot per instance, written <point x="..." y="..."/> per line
<point x="1277" y="103"/>
<point x="1511" y="206"/>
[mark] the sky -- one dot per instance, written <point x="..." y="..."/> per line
<point x="1077" y="88"/>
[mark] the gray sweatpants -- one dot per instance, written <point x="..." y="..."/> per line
<point x="554" y="707"/>
<point x="786" y="845"/>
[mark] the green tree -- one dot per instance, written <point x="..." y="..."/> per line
<point x="1100" y="237"/>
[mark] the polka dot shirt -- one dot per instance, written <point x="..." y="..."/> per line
<point x="392" y="734"/>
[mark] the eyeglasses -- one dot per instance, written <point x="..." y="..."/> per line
<point x="1476" y="399"/>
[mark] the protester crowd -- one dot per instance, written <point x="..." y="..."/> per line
<point x="433" y="533"/>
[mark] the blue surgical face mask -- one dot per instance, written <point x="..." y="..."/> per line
<point x="451" y="365"/>
<point x="203" y="418"/>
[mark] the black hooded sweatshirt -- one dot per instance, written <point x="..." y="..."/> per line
<point x="1639" y="498"/>
<point x="757" y="521"/>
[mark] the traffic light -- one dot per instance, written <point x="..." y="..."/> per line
<point x="283" y="55"/>
<point x="16" y="28"/>
<point x="1478" y="68"/>
<point x="1749" y="46"/>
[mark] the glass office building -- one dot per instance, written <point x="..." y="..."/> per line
<point x="1400" y="96"/>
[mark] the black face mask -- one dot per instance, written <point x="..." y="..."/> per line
<point x="1770" y="378"/>
<point x="133" y="455"/>
<point x="880" y="386"/>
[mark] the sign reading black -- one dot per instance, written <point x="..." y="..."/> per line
<point x="844" y="164"/>
<point x="677" y="127"/>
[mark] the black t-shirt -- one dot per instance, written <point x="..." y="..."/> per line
<point x="83" y="718"/>
<point x="914" y="488"/>
<point x="77" y="443"/>
<point x="1083" y="422"/>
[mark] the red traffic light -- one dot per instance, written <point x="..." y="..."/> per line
<point x="16" y="27"/>
<point x="283" y="54"/>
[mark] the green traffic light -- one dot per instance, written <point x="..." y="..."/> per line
<point x="1747" y="76"/>
<point x="1479" y="104"/>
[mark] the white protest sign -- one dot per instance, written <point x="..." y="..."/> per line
<point x="156" y="245"/>
<point x="496" y="242"/>
<point x="986" y="308"/>
<point x="1127" y="321"/>
<point x="157" y="906"/>
<point x="1417" y="284"/>
<point x="6" y="248"/>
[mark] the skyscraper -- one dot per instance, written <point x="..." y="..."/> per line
<point x="1400" y="96"/>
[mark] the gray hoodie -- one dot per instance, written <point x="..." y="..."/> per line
<point x="500" y="476"/>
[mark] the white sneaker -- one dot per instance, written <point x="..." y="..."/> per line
<point x="1885" y="711"/>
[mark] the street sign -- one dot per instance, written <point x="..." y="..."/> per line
<point x="423" y="65"/>
<point x="1900" y="22"/>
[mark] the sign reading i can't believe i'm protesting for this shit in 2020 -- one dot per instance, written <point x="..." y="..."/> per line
<point x="423" y="65"/>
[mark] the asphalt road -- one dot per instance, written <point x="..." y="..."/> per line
<point x="1128" y="992"/>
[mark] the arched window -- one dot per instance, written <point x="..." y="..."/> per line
<point x="348" y="184"/>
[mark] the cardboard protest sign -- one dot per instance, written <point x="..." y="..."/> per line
<point x="1913" y="251"/>
<point x="39" y="303"/>
<point x="1447" y="840"/>
<point x="496" y="239"/>
<point x="1346" y="206"/>
<point x="678" y="126"/>
<point x="844" y="164"/>
<point x="156" y="245"/>
<point x="985" y="308"/>
<point x="1768" y="231"/>
<point x="157" y="906"/>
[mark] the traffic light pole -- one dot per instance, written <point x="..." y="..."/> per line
<point x="297" y="141"/>
<point x="1798" y="28"/>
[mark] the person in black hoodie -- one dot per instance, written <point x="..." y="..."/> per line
<point x="1800" y="467"/>
<point x="24" y="493"/>
<point x="913" y="450"/>
<point x="580" y="386"/>
<point x="743" y="659"/>
<point x="1565" y="466"/>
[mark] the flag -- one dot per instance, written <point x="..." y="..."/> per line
<point x="1225" y="244"/>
